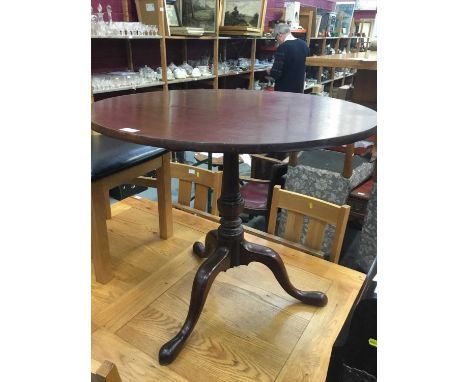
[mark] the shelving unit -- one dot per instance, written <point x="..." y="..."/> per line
<point x="124" y="88"/>
<point x="174" y="49"/>
<point x="141" y="50"/>
<point x="318" y="47"/>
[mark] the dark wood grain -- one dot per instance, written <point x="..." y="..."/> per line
<point x="233" y="120"/>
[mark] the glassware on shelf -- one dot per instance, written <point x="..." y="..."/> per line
<point x="196" y="73"/>
<point x="180" y="73"/>
<point x="112" y="29"/>
<point x="223" y="68"/>
<point x="153" y="30"/>
<point x="109" y="14"/>
<point x="93" y="23"/>
<point x="205" y="60"/>
<point x="123" y="80"/>
<point x="148" y="75"/>
<point x="101" y="28"/>
<point x="188" y="68"/>
<point x="170" y="74"/>
<point x="244" y="63"/>
<point x="204" y="70"/>
<point x="101" y="25"/>
<point x="119" y="29"/>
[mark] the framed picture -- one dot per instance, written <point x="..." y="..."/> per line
<point x="243" y="14"/>
<point x="199" y="14"/>
<point x="344" y="11"/>
<point x="327" y="22"/>
<point x="172" y="15"/>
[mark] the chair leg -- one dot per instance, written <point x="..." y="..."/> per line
<point x="108" y="206"/>
<point x="99" y="240"/>
<point x="163" y="186"/>
<point x="293" y="159"/>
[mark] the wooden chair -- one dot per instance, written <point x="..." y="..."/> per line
<point x="319" y="212"/>
<point x="257" y="190"/>
<point x="203" y="180"/>
<point x="115" y="162"/>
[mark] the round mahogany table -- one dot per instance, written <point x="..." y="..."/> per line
<point x="231" y="122"/>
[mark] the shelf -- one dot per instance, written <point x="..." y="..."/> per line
<point x="126" y="37"/>
<point x="190" y="37"/>
<point x="190" y="79"/>
<point x="328" y="38"/>
<point x="233" y="73"/>
<point x="336" y="79"/>
<point x="122" y="88"/>
<point x="245" y="38"/>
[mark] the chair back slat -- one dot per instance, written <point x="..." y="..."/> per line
<point x="201" y="197"/>
<point x="294" y="225"/>
<point x="315" y="234"/>
<point x="185" y="192"/>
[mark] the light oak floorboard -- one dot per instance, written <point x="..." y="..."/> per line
<point x="250" y="328"/>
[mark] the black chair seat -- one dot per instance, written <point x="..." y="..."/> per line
<point x="109" y="155"/>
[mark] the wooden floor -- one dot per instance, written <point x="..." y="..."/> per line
<point x="250" y="329"/>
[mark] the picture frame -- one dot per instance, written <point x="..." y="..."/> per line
<point x="196" y="14"/>
<point x="172" y="15"/>
<point x="242" y="16"/>
<point x="345" y="12"/>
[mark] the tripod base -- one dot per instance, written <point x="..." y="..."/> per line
<point x="219" y="259"/>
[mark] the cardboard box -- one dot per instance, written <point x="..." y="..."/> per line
<point x="291" y="13"/>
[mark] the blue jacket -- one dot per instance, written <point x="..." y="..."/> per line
<point x="289" y="67"/>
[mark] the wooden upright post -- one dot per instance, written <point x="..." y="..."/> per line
<point x="252" y="63"/>
<point x="162" y="32"/>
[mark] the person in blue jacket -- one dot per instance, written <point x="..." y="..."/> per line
<point x="289" y="67"/>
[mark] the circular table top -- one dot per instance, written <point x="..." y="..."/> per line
<point x="242" y="121"/>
